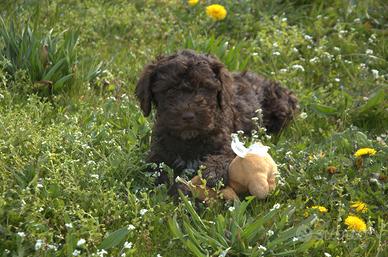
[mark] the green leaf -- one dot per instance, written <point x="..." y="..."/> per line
<point x="194" y="249"/>
<point x="54" y="69"/>
<point x="251" y="230"/>
<point x="59" y="84"/>
<point x="376" y="99"/>
<point x="114" y="238"/>
<point x="324" y="109"/>
<point x="194" y="215"/>
<point x="174" y="227"/>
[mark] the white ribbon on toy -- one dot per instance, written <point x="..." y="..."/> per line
<point x="240" y="150"/>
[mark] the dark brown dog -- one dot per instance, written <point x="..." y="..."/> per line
<point x="199" y="103"/>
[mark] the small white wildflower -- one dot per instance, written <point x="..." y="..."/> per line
<point x="91" y="162"/>
<point x="283" y="70"/>
<point x="343" y="31"/>
<point x="81" y="242"/>
<point x="270" y="233"/>
<point x="327" y="254"/>
<point x="357" y="20"/>
<point x="240" y="132"/>
<point x="380" y="140"/>
<point x="362" y="66"/>
<point x="337" y="49"/>
<point x="52" y="247"/>
<point x="275" y="44"/>
<point x="231" y="208"/>
<point x="337" y="80"/>
<point x="124" y="97"/>
<point x="255" y="54"/>
<point x="375" y="73"/>
<point x="255" y="118"/>
<point x="85" y="146"/>
<point x="275" y="207"/>
<point x="308" y="38"/>
<point x="69" y="225"/>
<point x="7" y="251"/>
<point x="295" y="50"/>
<point x="96" y="176"/>
<point x="38" y="244"/>
<point x="130" y="227"/>
<point x="276" y="53"/>
<point x="284" y="19"/>
<point x="303" y="115"/>
<point x="369" y="51"/>
<point x="101" y="252"/>
<point x="21" y="234"/>
<point x="143" y="211"/>
<point x="372" y="38"/>
<point x="40" y="183"/>
<point x="294" y="239"/>
<point x="298" y="67"/>
<point x="158" y="255"/>
<point x="314" y="60"/>
<point x="123" y="255"/>
<point x="263" y="248"/>
<point x="128" y="245"/>
<point x="76" y="252"/>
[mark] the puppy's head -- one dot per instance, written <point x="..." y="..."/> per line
<point x="188" y="90"/>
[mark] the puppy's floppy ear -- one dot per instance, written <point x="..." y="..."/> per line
<point x="224" y="76"/>
<point x="143" y="89"/>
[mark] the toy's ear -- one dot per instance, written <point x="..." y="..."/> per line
<point x="143" y="89"/>
<point x="223" y="75"/>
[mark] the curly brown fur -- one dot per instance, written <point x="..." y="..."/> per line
<point x="199" y="103"/>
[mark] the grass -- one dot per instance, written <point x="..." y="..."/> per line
<point x="71" y="161"/>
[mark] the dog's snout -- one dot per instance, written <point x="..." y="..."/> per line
<point x="188" y="116"/>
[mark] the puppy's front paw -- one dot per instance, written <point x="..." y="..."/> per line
<point x="212" y="178"/>
<point x="183" y="188"/>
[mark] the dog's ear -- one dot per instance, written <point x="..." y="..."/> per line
<point x="143" y="89"/>
<point x="224" y="76"/>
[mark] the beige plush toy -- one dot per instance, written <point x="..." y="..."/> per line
<point x="252" y="171"/>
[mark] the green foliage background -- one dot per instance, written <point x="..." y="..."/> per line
<point x="72" y="155"/>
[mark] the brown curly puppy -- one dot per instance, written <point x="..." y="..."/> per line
<point x="199" y="103"/>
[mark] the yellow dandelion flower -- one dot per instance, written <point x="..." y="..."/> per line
<point x="355" y="223"/>
<point x="216" y="12"/>
<point x="364" y="151"/>
<point x="359" y="206"/>
<point x="192" y="2"/>
<point x="319" y="208"/>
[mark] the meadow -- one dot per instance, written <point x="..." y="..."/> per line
<point x="73" y="140"/>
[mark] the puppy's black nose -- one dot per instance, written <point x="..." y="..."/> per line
<point x="188" y="116"/>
